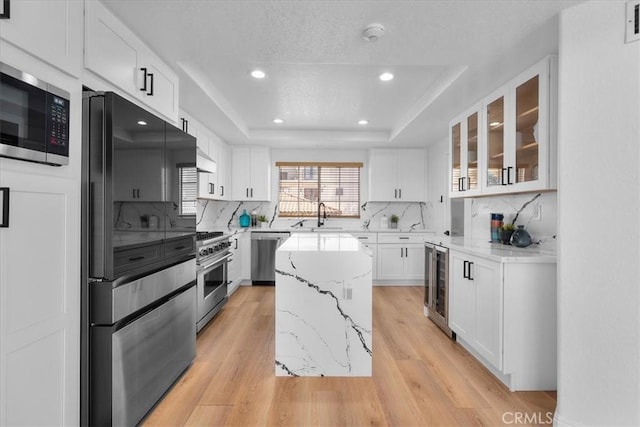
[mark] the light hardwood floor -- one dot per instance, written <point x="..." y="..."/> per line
<point x="420" y="377"/>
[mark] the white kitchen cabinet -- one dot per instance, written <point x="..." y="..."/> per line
<point x="397" y="175"/>
<point x="39" y="296"/>
<point x="475" y="304"/>
<point x="116" y="54"/>
<point x="401" y="256"/>
<point x="50" y="30"/>
<point x="236" y="262"/>
<point x="223" y="171"/>
<point x="139" y="175"/>
<point x="464" y="143"/>
<point x="504" y="313"/>
<point x="520" y="132"/>
<point x="507" y="143"/>
<point x="251" y="173"/>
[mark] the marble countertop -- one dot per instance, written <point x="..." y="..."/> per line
<point x="128" y="238"/>
<point x="495" y="251"/>
<point x="336" y="230"/>
<point x="321" y="242"/>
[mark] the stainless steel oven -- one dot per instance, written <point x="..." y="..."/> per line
<point x="436" y="286"/>
<point x="213" y="261"/>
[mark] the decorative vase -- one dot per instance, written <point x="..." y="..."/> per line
<point x="245" y="219"/>
<point x="505" y="236"/>
<point x="520" y="238"/>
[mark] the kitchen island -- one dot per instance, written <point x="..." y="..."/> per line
<point x="323" y="306"/>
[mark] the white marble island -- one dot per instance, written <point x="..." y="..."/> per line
<point x="323" y="306"/>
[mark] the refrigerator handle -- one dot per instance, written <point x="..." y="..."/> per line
<point x="4" y="207"/>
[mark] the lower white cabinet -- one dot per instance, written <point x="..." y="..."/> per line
<point x="398" y="261"/>
<point x="504" y="313"/>
<point x="234" y="272"/>
<point x="39" y="295"/>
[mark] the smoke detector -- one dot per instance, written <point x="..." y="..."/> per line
<point x="373" y="32"/>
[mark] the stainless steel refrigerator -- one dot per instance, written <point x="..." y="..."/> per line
<point x="138" y="267"/>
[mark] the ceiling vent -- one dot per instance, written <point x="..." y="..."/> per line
<point x="373" y="32"/>
<point x="633" y="21"/>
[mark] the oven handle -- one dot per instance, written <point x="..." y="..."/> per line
<point x="208" y="266"/>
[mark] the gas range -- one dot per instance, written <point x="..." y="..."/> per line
<point x="210" y="245"/>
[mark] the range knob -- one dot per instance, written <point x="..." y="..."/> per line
<point x="203" y="252"/>
<point x="210" y="250"/>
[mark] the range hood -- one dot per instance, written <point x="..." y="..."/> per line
<point x="204" y="163"/>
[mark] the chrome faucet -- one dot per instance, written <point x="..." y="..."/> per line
<point x="324" y="216"/>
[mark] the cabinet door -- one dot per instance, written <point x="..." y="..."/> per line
<point x="391" y="261"/>
<point x="260" y="170"/>
<point x="222" y="172"/>
<point x="496" y="122"/>
<point x="40" y="300"/>
<point x="414" y="262"/>
<point x="50" y="30"/>
<point x="470" y="184"/>
<point x="487" y="283"/>
<point x="462" y="304"/>
<point x="411" y="175"/>
<point x="241" y="173"/>
<point x="383" y="175"/>
<point x="162" y="91"/>
<point x="456" y="149"/>
<point x="110" y="50"/>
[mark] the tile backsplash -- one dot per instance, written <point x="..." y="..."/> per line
<point x="214" y="214"/>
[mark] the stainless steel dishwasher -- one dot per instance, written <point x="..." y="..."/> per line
<point x="263" y="256"/>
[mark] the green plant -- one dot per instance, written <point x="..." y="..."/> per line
<point x="394" y="218"/>
<point x="508" y="227"/>
<point x="262" y="218"/>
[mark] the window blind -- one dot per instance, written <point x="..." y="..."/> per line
<point x="303" y="185"/>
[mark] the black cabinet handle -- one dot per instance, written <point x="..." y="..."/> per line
<point x="441" y="199"/>
<point x="247" y="193"/>
<point x="252" y="193"/>
<point x="177" y="248"/>
<point x="464" y="270"/>
<point x="144" y="79"/>
<point x="150" y="93"/>
<point x="503" y="181"/>
<point x="469" y="274"/>
<point x="133" y="193"/>
<point x="137" y="258"/>
<point x="406" y="252"/>
<point x="509" y="175"/>
<point x="401" y="252"/>
<point x="236" y="247"/>
<point x="138" y="193"/>
<point x="459" y="184"/>
<point x="222" y="190"/>
<point x="185" y="125"/>
<point x="395" y="193"/>
<point x="463" y="187"/>
<point x="4" y="223"/>
<point x="400" y="193"/>
<point x="5" y="10"/>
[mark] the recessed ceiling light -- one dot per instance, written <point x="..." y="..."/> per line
<point x="385" y="77"/>
<point x="278" y="121"/>
<point x="258" y="74"/>
<point x="142" y="123"/>
<point x="363" y="122"/>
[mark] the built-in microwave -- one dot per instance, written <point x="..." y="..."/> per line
<point x="34" y="118"/>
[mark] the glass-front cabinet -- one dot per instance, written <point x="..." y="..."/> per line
<point x="518" y="133"/>
<point x="464" y="140"/>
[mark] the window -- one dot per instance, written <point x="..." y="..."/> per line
<point x="304" y="185"/>
<point x="188" y="189"/>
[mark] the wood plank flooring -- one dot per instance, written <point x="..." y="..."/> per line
<point x="420" y="377"/>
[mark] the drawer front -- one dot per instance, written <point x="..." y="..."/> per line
<point x="130" y="259"/>
<point x="401" y="237"/>
<point x="176" y="248"/>
<point x="366" y="238"/>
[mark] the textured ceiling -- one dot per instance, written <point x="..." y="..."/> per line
<point x="322" y="74"/>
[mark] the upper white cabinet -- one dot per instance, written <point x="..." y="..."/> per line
<point x="506" y="144"/>
<point x="223" y="173"/>
<point x="251" y="173"/>
<point x="50" y="30"/>
<point x="397" y="175"/>
<point x="464" y="134"/>
<point x="117" y="55"/>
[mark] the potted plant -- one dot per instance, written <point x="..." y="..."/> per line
<point x="263" y="221"/>
<point x="394" y="221"/>
<point x="505" y="232"/>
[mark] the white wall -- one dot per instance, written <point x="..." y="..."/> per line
<point x="437" y="170"/>
<point x="599" y="202"/>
